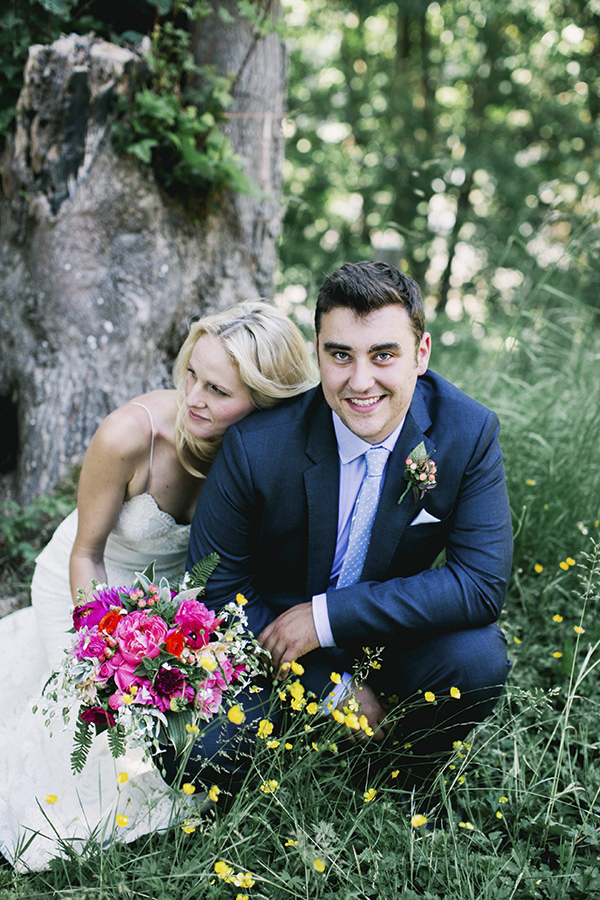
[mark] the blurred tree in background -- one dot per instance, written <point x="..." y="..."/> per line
<point x="457" y="139"/>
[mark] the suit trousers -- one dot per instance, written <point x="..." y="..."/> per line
<point x="422" y="731"/>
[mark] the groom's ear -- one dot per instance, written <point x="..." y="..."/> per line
<point x="317" y="347"/>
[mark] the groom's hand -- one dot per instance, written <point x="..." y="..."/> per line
<point x="290" y="635"/>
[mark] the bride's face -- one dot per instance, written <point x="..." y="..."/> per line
<point x="215" y="395"/>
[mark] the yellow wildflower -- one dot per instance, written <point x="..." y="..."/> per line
<point x="241" y="897"/>
<point x="188" y="788"/>
<point x="222" y="869"/>
<point x="288" y="746"/>
<point x="312" y="708"/>
<point x="291" y="843"/>
<point x="265" y="728"/>
<point x="578" y="629"/>
<point x="240" y="600"/>
<point x="255" y="689"/>
<point x="468" y="825"/>
<point x="272" y="745"/>
<point x="429" y="696"/>
<point x="369" y="795"/>
<point x="557" y="618"/>
<point x="297" y="703"/>
<point x="122" y="820"/>
<point x="315" y="746"/>
<point x="319" y="865"/>
<point x="530" y="482"/>
<point x="335" y="677"/>
<point x="51" y="798"/>
<point x="208" y="662"/>
<point x="375" y="664"/>
<point x="502" y="799"/>
<point x="418" y="820"/>
<point x="269" y="787"/>
<point x="564" y="566"/>
<point x="339" y="716"/>
<point x="455" y="693"/>
<point x="296" y="689"/>
<point x="192" y="729"/>
<point x="122" y="777"/>
<point x="351" y="721"/>
<point x="557" y="654"/>
<point x="538" y="568"/>
<point x="236" y="714"/>
<point x="187" y="827"/>
<point x="498" y="815"/>
<point x="214" y="793"/>
<point x="517" y="640"/>
<point x="297" y="668"/>
<point x="570" y="561"/>
<point x="395" y="773"/>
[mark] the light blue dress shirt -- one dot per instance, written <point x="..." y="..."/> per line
<point x="351" y="450"/>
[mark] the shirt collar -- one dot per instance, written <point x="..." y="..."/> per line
<point x="350" y="446"/>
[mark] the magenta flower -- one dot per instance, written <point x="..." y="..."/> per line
<point x="94" y="610"/>
<point x="98" y="716"/>
<point x="196" y="623"/>
<point x="169" y="684"/>
<point x="89" y="644"/>
<point x="139" y="635"/>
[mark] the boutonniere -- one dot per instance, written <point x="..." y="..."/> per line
<point x="419" y="472"/>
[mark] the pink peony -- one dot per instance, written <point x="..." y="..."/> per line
<point x="140" y="635"/>
<point x="208" y="700"/>
<point x="196" y="623"/>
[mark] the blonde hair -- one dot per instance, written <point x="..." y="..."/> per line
<point x="272" y="358"/>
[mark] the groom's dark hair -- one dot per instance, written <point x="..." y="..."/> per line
<point x="367" y="286"/>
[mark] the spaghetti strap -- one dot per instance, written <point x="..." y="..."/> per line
<point x="135" y="403"/>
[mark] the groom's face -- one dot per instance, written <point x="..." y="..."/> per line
<point x="369" y="368"/>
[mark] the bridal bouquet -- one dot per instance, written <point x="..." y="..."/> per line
<point x="150" y="664"/>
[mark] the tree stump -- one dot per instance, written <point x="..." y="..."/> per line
<point x="100" y="270"/>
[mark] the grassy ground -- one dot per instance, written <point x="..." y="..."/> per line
<point x="517" y="811"/>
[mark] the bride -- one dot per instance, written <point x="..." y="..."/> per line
<point x="140" y="480"/>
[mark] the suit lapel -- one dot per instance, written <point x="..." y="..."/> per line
<point x="392" y="517"/>
<point x="322" y="485"/>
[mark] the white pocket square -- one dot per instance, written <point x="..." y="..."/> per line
<point x="424" y="518"/>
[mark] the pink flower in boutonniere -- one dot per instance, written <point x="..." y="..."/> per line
<point x="419" y="472"/>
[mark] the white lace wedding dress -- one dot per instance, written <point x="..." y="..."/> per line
<point x="43" y="806"/>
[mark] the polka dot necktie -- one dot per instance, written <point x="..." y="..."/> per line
<point x="362" y="519"/>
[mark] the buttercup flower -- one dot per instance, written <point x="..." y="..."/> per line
<point x="418" y="820"/>
<point x="578" y="629"/>
<point x="557" y="654"/>
<point x="51" y="799"/>
<point x="297" y="668"/>
<point x="269" y="787"/>
<point x="122" y="820"/>
<point x="429" y="696"/>
<point x="122" y="778"/>
<point x="369" y="795"/>
<point x="468" y="825"/>
<point x="538" y="568"/>
<point x="214" y="793"/>
<point x="455" y="693"/>
<point x="236" y="714"/>
<point x="335" y="677"/>
<point x="188" y="788"/>
<point x="265" y="728"/>
<point x="319" y="865"/>
<point x="557" y="618"/>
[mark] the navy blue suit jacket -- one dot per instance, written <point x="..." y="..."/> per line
<point x="269" y="508"/>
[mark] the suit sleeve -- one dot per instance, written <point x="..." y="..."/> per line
<point x="468" y="590"/>
<point x="223" y="523"/>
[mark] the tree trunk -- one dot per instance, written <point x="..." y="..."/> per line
<point x="100" y="271"/>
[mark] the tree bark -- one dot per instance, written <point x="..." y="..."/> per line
<point x="100" y="270"/>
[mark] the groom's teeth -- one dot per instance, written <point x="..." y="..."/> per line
<point x="369" y="401"/>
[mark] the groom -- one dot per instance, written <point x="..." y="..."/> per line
<point x="279" y="503"/>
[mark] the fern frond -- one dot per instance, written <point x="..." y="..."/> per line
<point x="203" y="570"/>
<point x="83" y="741"/>
<point x="116" y="740"/>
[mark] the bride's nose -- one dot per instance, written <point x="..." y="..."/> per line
<point x="196" y="397"/>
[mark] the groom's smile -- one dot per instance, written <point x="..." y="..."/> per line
<point x="369" y="368"/>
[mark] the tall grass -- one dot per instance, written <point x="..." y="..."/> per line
<point x="516" y="812"/>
